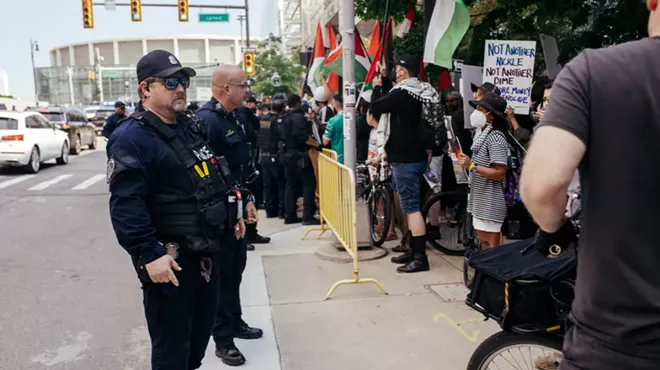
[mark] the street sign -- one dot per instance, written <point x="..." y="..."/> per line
<point x="111" y="5"/>
<point x="221" y="17"/>
<point x="110" y="74"/>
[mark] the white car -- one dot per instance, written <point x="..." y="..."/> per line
<point x="27" y="139"/>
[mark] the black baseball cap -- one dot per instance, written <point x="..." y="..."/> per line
<point x="161" y="63"/>
<point x="193" y="105"/>
<point x="486" y="86"/>
<point x="410" y="62"/>
<point x="119" y="104"/>
<point x="493" y="103"/>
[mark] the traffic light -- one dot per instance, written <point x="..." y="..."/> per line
<point x="136" y="10"/>
<point x="183" y="10"/>
<point x="88" y="14"/>
<point x="248" y="63"/>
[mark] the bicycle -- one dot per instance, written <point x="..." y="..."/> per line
<point x="540" y="321"/>
<point x="455" y="228"/>
<point x="377" y="191"/>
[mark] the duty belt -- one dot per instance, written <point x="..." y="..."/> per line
<point x="205" y="264"/>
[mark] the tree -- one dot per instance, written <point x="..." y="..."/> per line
<point x="270" y="60"/>
<point x="576" y="24"/>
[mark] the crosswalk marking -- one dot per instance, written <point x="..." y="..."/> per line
<point x="89" y="182"/>
<point x="45" y="184"/>
<point x="15" y="180"/>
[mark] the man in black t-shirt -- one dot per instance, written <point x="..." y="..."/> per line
<point x="616" y="310"/>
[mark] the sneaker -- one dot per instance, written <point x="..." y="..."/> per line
<point x="549" y="362"/>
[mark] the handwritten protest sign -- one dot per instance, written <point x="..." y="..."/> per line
<point x="509" y="65"/>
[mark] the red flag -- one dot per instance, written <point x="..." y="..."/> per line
<point x="374" y="44"/>
<point x="333" y="79"/>
<point x="374" y="62"/>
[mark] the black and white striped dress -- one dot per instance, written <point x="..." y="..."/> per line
<point x="487" y="196"/>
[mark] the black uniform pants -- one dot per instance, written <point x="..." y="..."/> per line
<point x="295" y="175"/>
<point x="180" y="318"/>
<point x="274" y="184"/>
<point x="232" y="260"/>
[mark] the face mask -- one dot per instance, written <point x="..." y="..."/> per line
<point x="478" y="119"/>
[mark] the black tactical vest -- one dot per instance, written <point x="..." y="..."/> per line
<point x="267" y="126"/>
<point x="202" y="221"/>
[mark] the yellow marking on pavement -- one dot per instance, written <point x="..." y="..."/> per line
<point x="471" y="338"/>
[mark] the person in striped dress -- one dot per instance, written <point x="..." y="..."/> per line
<point x="487" y="167"/>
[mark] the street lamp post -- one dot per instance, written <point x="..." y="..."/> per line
<point x="34" y="46"/>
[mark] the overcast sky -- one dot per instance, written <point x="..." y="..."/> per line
<point x="59" y="22"/>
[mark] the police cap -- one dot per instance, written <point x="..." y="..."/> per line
<point x="161" y="63"/>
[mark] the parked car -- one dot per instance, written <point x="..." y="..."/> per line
<point x="90" y="112"/>
<point x="73" y="122"/>
<point x="101" y="117"/>
<point x="27" y="139"/>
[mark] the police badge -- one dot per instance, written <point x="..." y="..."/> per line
<point x="109" y="170"/>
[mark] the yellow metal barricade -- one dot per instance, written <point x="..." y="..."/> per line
<point x="338" y="209"/>
<point x="314" y="155"/>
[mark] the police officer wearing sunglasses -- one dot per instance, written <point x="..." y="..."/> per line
<point x="227" y="136"/>
<point x="172" y="211"/>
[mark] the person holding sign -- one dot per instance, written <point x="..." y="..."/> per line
<point x="487" y="168"/>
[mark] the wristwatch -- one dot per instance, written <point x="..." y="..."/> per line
<point x="473" y="167"/>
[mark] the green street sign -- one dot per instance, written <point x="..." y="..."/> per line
<point x="110" y="74"/>
<point x="224" y="17"/>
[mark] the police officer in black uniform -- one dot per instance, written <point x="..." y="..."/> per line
<point x="113" y="120"/>
<point x="271" y="168"/>
<point x="171" y="211"/>
<point x="227" y="136"/>
<point x="247" y="117"/>
<point x="296" y="139"/>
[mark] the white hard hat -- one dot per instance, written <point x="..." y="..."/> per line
<point x="320" y="95"/>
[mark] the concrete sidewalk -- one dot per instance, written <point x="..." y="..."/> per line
<point x="422" y="324"/>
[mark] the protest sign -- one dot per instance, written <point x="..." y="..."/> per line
<point x="509" y="65"/>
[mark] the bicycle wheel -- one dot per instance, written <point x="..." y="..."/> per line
<point x="472" y="244"/>
<point x="446" y="237"/>
<point x="505" y="350"/>
<point x="380" y="213"/>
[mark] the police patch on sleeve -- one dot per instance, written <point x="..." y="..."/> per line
<point x="110" y="169"/>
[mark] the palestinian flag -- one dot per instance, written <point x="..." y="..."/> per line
<point x="449" y="23"/>
<point x="444" y="83"/>
<point x="407" y="24"/>
<point x="335" y="64"/>
<point x="318" y="56"/>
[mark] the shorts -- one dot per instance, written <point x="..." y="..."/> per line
<point x="406" y="177"/>
<point x="486" y="225"/>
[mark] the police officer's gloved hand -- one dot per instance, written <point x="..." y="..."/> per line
<point x="563" y="238"/>
<point x="320" y="147"/>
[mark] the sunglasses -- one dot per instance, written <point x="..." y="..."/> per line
<point x="172" y="83"/>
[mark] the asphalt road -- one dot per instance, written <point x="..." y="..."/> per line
<point x="70" y="299"/>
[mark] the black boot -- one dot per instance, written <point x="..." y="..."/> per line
<point x="253" y="236"/>
<point x="404" y="258"/>
<point x="230" y="355"/>
<point x="419" y="261"/>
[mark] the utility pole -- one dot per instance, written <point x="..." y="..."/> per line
<point x="241" y="18"/>
<point x="69" y="71"/>
<point x="247" y="26"/>
<point x="347" y="27"/>
<point x="99" y="75"/>
<point x="34" y="46"/>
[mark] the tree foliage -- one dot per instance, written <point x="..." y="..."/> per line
<point x="375" y="9"/>
<point x="269" y="60"/>
<point x="576" y="24"/>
